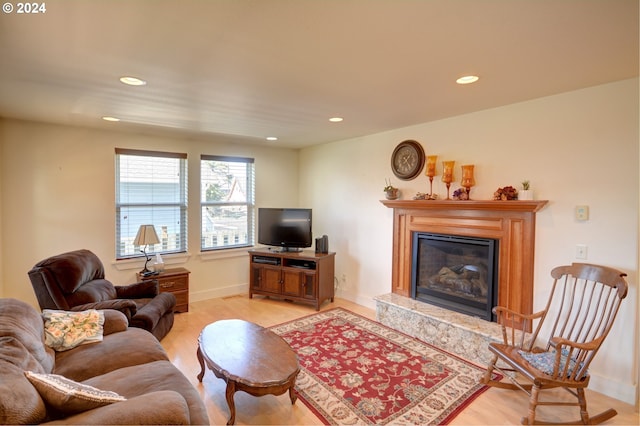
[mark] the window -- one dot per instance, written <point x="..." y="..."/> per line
<point x="227" y="199"/>
<point x="151" y="188"/>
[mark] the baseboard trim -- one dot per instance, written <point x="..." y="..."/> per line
<point x="604" y="385"/>
<point x="232" y="290"/>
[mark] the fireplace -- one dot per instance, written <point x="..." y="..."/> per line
<point x="455" y="272"/>
<point x="510" y="223"/>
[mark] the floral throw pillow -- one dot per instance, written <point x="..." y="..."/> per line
<point x="70" y="397"/>
<point x="64" y="330"/>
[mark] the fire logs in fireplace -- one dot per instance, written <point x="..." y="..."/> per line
<point x="461" y="279"/>
<point x="455" y="272"/>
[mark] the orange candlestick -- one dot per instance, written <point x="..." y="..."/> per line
<point x="431" y="171"/>
<point x="467" y="178"/>
<point x="447" y="174"/>
<point x="431" y="165"/>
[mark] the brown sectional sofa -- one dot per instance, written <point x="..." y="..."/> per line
<point x="128" y="361"/>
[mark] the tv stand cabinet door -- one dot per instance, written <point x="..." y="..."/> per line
<point x="310" y="287"/>
<point x="271" y="279"/>
<point x="292" y="282"/>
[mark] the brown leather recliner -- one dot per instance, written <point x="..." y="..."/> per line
<point x="74" y="281"/>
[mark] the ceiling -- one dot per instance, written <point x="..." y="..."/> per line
<point x="248" y="69"/>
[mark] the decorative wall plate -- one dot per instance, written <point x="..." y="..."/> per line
<point x="407" y="160"/>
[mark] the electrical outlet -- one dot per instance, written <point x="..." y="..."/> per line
<point x="581" y="251"/>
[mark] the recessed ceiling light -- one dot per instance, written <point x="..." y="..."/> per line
<point x="272" y="138"/>
<point x="109" y="118"/>
<point x="467" y="79"/>
<point x="132" y="81"/>
<point x="336" y="119"/>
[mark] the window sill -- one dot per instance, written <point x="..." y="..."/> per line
<point x="225" y="254"/>
<point x="138" y="262"/>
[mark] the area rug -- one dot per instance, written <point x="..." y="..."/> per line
<point x="358" y="371"/>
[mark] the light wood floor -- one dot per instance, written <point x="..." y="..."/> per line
<point x="494" y="407"/>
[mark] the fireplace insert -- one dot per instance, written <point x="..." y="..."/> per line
<point x="455" y="272"/>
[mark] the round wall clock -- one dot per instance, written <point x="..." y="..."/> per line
<point x="407" y="160"/>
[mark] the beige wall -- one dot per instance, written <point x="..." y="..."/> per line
<point x="58" y="194"/>
<point x="576" y="148"/>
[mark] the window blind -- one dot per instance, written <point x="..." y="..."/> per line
<point x="151" y="188"/>
<point x="227" y="202"/>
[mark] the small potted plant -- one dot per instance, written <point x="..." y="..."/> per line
<point x="391" y="192"/>
<point x="526" y="193"/>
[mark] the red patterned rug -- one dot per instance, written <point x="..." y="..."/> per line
<point x="358" y="371"/>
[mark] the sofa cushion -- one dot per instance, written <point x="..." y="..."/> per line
<point x="68" y="397"/>
<point x="156" y="408"/>
<point x="22" y="322"/>
<point x="114" y="322"/>
<point x="64" y="330"/>
<point x="21" y="348"/>
<point x="76" y="267"/>
<point x="150" y="311"/>
<point x="20" y="403"/>
<point x="152" y="377"/>
<point x="140" y="290"/>
<point x="96" y="290"/>
<point x="131" y="347"/>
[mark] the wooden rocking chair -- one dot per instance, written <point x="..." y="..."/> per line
<point x="582" y="306"/>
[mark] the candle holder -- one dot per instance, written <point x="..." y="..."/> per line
<point x="431" y="172"/>
<point x="467" y="179"/>
<point x="447" y="174"/>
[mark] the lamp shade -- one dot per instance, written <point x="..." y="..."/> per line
<point x="146" y="236"/>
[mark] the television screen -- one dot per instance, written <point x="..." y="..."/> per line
<point x="288" y="228"/>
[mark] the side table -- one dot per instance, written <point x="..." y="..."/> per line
<point x="176" y="281"/>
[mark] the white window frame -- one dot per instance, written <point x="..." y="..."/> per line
<point x="170" y="242"/>
<point x="215" y="241"/>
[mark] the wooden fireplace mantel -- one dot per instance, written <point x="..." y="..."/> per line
<point x="512" y="223"/>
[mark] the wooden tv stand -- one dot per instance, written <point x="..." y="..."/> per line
<point x="305" y="277"/>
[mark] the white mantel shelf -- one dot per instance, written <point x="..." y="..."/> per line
<point x="511" y="223"/>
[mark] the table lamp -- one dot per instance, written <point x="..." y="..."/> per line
<point x="146" y="235"/>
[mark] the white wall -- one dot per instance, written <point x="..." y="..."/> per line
<point x="577" y="148"/>
<point x="58" y="193"/>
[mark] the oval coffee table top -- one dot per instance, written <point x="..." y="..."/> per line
<point x="247" y="353"/>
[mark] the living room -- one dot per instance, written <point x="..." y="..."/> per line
<point x="579" y="147"/>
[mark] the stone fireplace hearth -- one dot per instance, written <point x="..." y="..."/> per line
<point x="459" y="334"/>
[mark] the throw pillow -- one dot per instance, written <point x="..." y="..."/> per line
<point x="70" y="397"/>
<point x="64" y="330"/>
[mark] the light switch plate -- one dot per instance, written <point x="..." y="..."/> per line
<point x="582" y="212"/>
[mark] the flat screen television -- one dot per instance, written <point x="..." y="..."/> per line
<point x="287" y="228"/>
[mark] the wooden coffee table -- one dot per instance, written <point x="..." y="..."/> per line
<point x="248" y="358"/>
